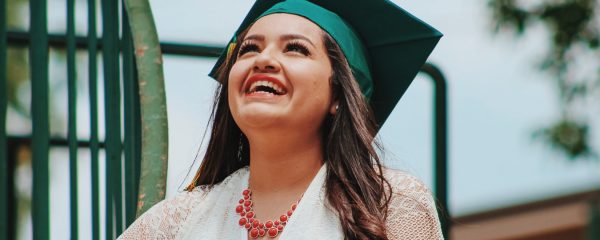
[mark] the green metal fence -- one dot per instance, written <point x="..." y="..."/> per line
<point x="116" y="50"/>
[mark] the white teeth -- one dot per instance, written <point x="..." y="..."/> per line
<point x="272" y="85"/>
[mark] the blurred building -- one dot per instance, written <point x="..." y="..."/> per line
<point x="571" y="217"/>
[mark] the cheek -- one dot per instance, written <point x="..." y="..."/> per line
<point x="235" y="77"/>
<point x="320" y="88"/>
<point x="314" y="75"/>
<point x="311" y="83"/>
<point x="238" y="73"/>
<point x="234" y="84"/>
<point x="320" y="84"/>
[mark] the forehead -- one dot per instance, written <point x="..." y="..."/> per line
<point x="283" y="23"/>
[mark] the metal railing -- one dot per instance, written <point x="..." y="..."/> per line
<point x="38" y="42"/>
<point x="440" y="187"/>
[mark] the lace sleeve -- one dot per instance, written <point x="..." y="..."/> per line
<point x="163" y="220"/>
<point x="412" y="212"/>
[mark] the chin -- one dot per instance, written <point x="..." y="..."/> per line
<point x="258" y="118"/>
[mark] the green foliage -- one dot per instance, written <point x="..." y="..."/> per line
<point x="573" y="27"/>
<point x="17" y="76"/>
<point x="569" y="136"/>
<point x="17" y="58"/>
<point x="569" y="21"/>
<point x="506" y="14"/>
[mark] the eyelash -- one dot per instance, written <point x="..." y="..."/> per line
<point x="248" y="47"/>
<point x="298" y="47"/>
<point x="295" y="46"/>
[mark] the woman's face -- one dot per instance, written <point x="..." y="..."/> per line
<point x="281" y="76"/>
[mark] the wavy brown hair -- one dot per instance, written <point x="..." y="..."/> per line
<point x="355" y="186"/>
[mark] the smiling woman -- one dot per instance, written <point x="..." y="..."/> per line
<point x="287" y="51"/>
<point x="305" y="85"/>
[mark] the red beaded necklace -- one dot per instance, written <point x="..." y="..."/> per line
<point x="255" y="227"/>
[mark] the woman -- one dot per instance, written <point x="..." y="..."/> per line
<point x="305" y="86"/>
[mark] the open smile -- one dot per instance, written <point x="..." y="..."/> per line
<point x="263" y="84"/>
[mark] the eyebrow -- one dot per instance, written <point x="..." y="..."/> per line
<point x="285" y="37"/>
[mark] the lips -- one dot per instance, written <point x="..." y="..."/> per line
<point x="263" y="84"/>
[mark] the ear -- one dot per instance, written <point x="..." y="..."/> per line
<point x="334" y="107"/>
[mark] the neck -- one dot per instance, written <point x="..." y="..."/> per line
<point x="284" y="162"/>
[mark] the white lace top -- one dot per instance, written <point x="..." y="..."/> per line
<point x="210" y="214"/>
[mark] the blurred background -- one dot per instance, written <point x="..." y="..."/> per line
<point x="523" y="85"/>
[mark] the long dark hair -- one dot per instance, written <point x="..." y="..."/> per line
<point x="355" y="186"/>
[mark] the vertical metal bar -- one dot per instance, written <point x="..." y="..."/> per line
<point x="112" y="95"/>
<point x="3" y="105"/>
<point x="441" y="146"/>
<point x="131" y="121"/>
<point x="93" y="92"/>
<point x="72" y="116"/>
<point x="118" y="162"/>
<point x="38" y="57"/>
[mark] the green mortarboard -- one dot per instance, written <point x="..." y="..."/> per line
<point x="385" y="46"/>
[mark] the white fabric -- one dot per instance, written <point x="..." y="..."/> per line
<point x="210" y="214"/>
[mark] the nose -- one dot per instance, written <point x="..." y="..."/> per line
<point x="266" y="62"/>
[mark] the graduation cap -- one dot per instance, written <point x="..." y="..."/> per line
<point x="384" y="45"/>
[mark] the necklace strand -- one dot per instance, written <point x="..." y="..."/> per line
<point x="254" y="226"/>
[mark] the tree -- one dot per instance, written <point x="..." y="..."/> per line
<point x="573" y="28"/>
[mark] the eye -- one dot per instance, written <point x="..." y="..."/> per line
<point x="296" y="46"/>
<point x="248" y="47"/>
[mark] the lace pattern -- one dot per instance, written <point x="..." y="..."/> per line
<point x="411" y="215"/>
<point x="412" y="212"/>
<point x="162" y="221"/>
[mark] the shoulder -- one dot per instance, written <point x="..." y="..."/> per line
<point x="166" y="218"/>
<point x="403" y="184"/>
<point x="163" y="220"/>
<point x="412" y="212"/>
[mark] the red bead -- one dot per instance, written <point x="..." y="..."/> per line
<point x="273" y="232"/>
<point x="254" y="233"/>
<point x="242" y="221"/>
<point x="254" y="226"/>
<point x="269" y="224"/>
